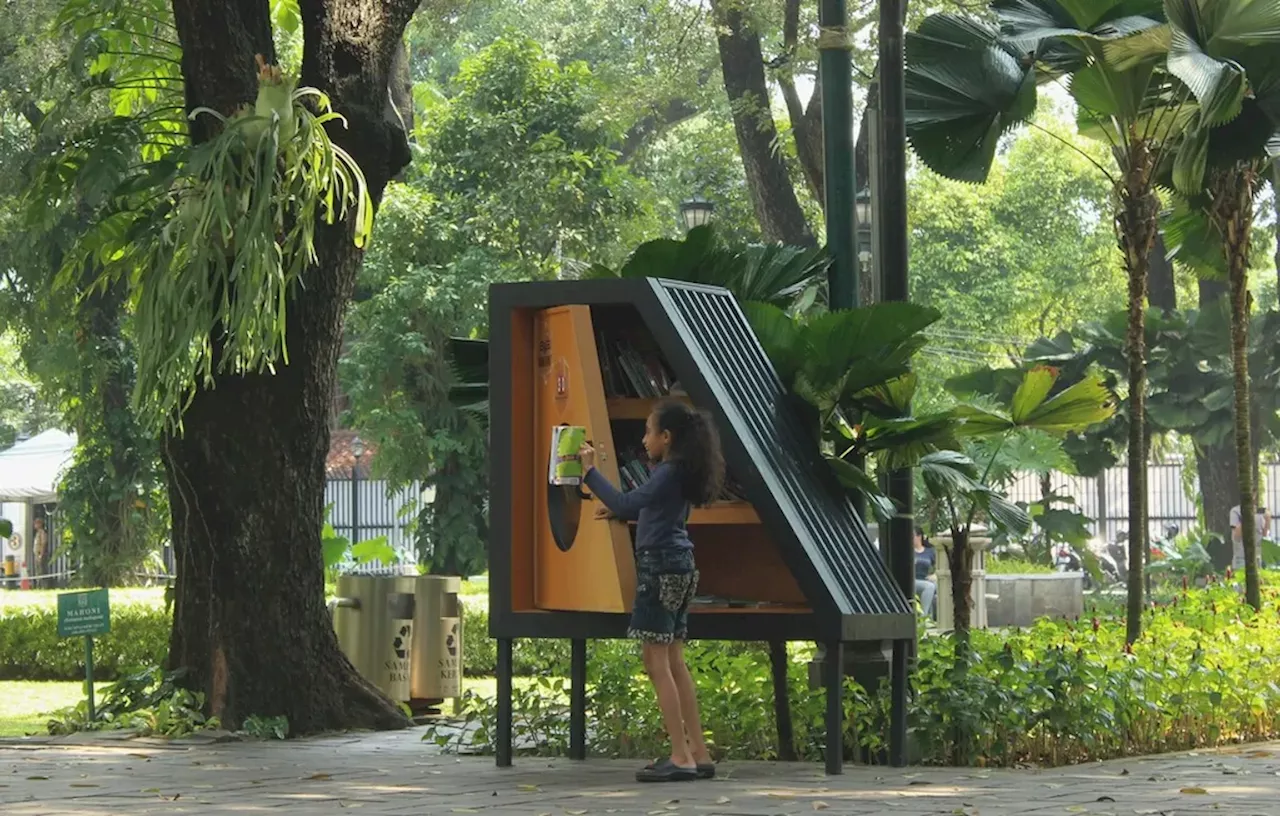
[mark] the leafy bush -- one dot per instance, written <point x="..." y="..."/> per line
<point x="1059" y="692"/>
<point x="1016" y="566"/>
<point x="30" y="648"/>
<point x="149" y="702"/>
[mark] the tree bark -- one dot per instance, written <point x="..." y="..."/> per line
<point x="1233" y="210"/>
<point x="671" y="112"/>
<point x="1162" y="292"/>
<point x="1136" y="227"/>
<point x="246" y="477"/>
<point x="960" y="561"/>
<point x="772" y="194"/>
<point x="1216" y="464"/>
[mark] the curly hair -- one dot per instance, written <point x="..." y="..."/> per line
<point x="695" y="449"/>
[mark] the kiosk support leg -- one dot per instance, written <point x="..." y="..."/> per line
<point x="578" y="700"/>
<point x="898" y="705"/>
<point x="833" y="666"/>
<point x="503" y="746"/>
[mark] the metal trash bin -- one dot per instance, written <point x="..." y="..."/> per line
<point x="374" y="619"/>
<point x="437" y="638"/>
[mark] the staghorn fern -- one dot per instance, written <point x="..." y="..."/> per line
<point x="212" y="286"/>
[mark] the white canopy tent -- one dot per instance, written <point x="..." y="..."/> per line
<point x="30" y="470"/>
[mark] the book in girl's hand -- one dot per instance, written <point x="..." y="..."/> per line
<point x="566" y="467"/>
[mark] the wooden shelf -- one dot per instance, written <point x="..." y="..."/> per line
<point x="776" y="609"/>
<point x="723" y="513"/>
<point x="635" y="408"/>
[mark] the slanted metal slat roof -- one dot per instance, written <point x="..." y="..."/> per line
<point x="754" y="406"/>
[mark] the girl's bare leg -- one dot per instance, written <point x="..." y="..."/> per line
<point x="688" y="703"/>
<point x="657" y="663"/>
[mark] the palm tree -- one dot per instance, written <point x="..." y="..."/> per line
<point x="968" y="84"/>
<point x="1226" y="54"/>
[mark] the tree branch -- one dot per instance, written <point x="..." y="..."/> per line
<point x="806" y="125"/>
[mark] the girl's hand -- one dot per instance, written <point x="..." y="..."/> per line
<point x="587" y="456"/>
<point x="603" y="512"/>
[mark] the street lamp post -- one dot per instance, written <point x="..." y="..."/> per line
<point x="357" y="451"/>
<point x="864" y="225"/>
<point x="696" y="212"/>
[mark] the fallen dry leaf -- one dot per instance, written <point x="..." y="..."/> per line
<point x="530" y="788"/>
<point x="1196" y="790"/>
<point x="319" y="777"/>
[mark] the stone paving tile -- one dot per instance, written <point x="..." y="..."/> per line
<point x="398" y="775"/>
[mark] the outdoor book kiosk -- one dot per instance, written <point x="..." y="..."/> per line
<point x="784" y="557"/>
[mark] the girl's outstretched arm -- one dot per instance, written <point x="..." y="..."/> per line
<point x="627" y="506"/>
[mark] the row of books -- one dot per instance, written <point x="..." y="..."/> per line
<point x="627" y="372"/>
<point x="634" y="469"/>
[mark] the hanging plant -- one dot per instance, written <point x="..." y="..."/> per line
<point x="238" y="234"/>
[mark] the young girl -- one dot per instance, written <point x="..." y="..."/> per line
<point x="690" y="471"/>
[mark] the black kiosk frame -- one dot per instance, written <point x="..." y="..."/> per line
<point x="708" y="344"/>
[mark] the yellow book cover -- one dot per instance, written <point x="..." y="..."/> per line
<point x="566" y="469"/>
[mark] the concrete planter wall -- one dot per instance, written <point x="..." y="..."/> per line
<point x="1019" y="600"/>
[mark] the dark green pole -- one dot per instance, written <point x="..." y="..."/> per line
<point x="891" y="222"/>
<point x="837" y="138"/>
<point x="88" y="673"/>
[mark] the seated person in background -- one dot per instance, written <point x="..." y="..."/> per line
<point x="926" y="564"/>
<point x="1262" y="529"/>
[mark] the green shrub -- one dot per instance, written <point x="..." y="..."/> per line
<point x="1060" y="692"/>
<point x="530" y="657"/>
<point x="30" y="648"/>
<point x="1016" y="566"/>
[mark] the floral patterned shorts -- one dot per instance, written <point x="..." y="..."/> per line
<point x="666" y="582"/>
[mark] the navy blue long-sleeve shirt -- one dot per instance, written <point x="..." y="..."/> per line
<point x="658" y="506"/>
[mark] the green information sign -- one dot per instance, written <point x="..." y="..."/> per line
<point x="84" y="613"/>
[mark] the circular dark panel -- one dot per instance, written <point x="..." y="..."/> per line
<point x="564" y="509"/>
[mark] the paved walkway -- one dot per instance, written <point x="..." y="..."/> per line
<point x="396" y="774"/>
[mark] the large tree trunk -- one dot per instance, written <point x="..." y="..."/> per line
<point x="772" y="194"/>
<point x="246" y="477"/>
<point x="1136" y="226"/>
<point x="1162" y="291"/>
<point x="1233" y="210"/>
<point x="1216" y="464"/>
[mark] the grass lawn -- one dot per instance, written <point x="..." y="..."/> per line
<point x="25" y="706"/>
<point x="474" y="595"/>
<point x="48" y="598"/>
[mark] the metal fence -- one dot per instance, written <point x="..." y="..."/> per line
<point x="1171" y="487"/>
<point x="376" y="511"/>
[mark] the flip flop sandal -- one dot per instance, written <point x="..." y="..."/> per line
<point x="666" y="771"/>
<point x="707" y="771"/>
